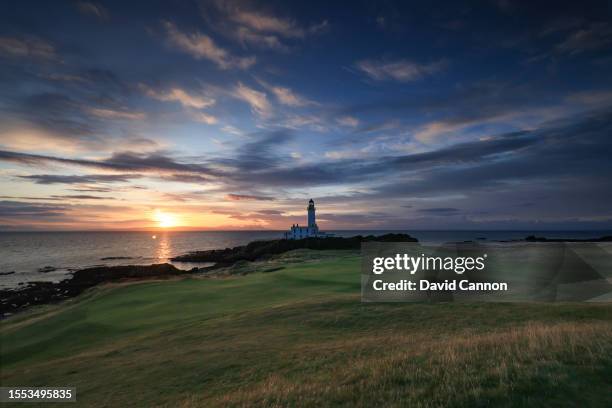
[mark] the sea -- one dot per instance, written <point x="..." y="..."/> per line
<point x="53" y="256"/>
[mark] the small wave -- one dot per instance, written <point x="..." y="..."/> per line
<point x="112" y="258"/>
<point x="7" y="273"/>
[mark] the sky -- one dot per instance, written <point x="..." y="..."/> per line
<point x="229" y="115"/>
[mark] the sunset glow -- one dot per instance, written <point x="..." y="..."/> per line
<point x="231" y="115"/>
<point x="165" y="220"/>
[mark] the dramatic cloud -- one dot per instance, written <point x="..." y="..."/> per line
<point x="474" y="104"/>
<point x="592" y="37"/>
<point x="88" y="113"/>
<point x="591" y="98"/>
<point x="257" y="27"/>
<point x="247" y="197"/>
<point x="399" y="70"/>
<point x="191" y="101"/>
<point x="232" y="130"/>
<point x="256" y="99"/>
<point x="80" y="197"/>
<point x="516" y="154"/>
<point x="259" y="154"/>
<point x="204" y="118"/>
<point x="186" y="178"/>
<point x="91" y="178"/>
<point x="287" y="97"/>
<point x="20" y="209"/>
<point x="442" y="211"/>
<point x="32" y="47"/>
<point x="529" y="162"/>
<point x="116" y="114"/>
<point x="268" y="23"/>
<point x="348" y="121"/>
<point x="180" y="95"/>
<point x="246" y="36"/>
<point x="55" y="112"/>
<point x="248" y="101"/>
<point x="200" y="46"/>
<point x="58" y="197"/>
<point x="124" y="161"/>
<point x="94" y="9"/>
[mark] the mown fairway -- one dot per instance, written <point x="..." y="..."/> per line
<point x="299" y="336"/>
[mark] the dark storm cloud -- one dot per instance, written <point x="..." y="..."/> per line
<point x="26" y="48"/>
<point x="590" y="37"/>
<point x="103" y="83"/>
<point x="308" y="175"/>
<point x="368" y="219"/>
<point x="442" y="211"/>
<point x="187" y="178"/>
<point x="270" y="212"/>
<point x="79" y="105"/>
<point x="92" y="189"/>
<point x="344" y="171"/>
<point x="57" y="113"/>
<point x="248" y="197"/>
<point x="123" y="161"/>
<point x="20" y="209"/>
<point x="261" y="153"/>
<point x="468" y="152"/>
<point x="80" y="197"/>
<point x="573" y="148"/>
<point x="27" y="198"/>
<point x="93" y="9"/>
<point x="152" y="162"/>
<point x="466" y="103"/>
<point x="92" y="178"/>
<point x="58" y="197"/>
<point x="566" y="173"/>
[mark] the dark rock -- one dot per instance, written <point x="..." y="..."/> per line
<point x="47" y="269"/>
<point x="533" y="238"/>
<point x="110" y="258"/>
<point x="7" y="273"/>
<point x="262" y="249"/>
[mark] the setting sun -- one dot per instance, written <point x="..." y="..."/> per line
<point x="165" y="220"/>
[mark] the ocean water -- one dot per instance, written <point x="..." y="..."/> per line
<point x="25" y="253"/>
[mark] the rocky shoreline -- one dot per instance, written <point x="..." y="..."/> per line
<point x="38" y="293"/>
<point x="261" y="249"/>
<point x="533" y="238"/>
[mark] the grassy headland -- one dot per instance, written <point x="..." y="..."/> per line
<point x="296" y="334"/>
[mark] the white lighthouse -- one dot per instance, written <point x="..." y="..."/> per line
<point x="311" y="231"/>
<point x="311" y="214"/>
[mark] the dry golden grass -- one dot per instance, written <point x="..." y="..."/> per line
<point x="412" y="369"/>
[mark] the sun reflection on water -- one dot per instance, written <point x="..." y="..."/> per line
<point x="162" y="251"/>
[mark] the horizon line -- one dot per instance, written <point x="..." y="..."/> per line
<point x="338" y="230"/>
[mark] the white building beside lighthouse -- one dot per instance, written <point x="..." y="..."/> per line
<point x="310" y="231"/>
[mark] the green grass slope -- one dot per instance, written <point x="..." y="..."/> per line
<point x="298" y="335"/>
